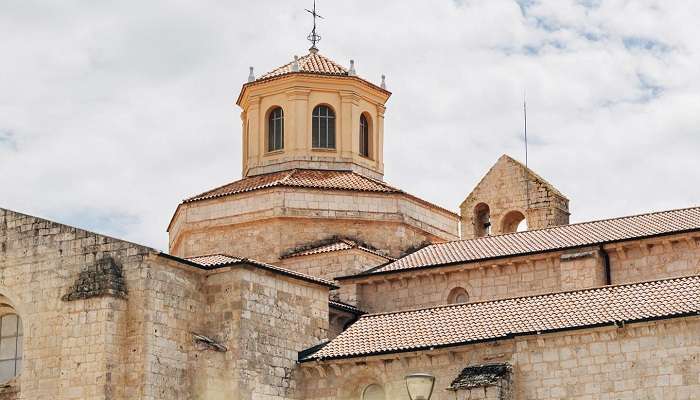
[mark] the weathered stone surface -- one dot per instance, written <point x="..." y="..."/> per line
<point x="103" y="278"/>
<point x="509" y="189"/>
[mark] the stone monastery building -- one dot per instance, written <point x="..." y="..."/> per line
<point x="313" y="278"/>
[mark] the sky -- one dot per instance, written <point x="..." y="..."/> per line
<point x="112" y="112"/>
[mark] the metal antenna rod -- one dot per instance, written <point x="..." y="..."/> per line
<point x="527" y="180"/>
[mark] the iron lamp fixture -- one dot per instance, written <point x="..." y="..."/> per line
<point x="420" y="386"/>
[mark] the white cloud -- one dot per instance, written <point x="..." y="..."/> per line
<point x="112" y="113"/>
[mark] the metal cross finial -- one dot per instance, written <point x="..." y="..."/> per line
<point x="313" y="37"/>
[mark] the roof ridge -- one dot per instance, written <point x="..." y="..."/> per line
<point x="286" y="178"/>
<point x="543" y="295"/>
<point x="212" y="255"/>
<point x="535" y="175"/>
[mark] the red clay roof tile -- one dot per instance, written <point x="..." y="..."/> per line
<point x="312" y="63"/>
<point x="492" y="320"/>
<point x="222" y="260"/>
<point x="339" y="245"/>
<point x="549" y="239"/>
<point x="308" y="178"/>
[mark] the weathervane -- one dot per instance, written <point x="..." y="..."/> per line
<point x="313" y="37"/>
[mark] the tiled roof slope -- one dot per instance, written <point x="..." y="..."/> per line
<point x="476" y="322"/>
<point x="307" y="178"/>
<point x="340" y="244"/>
<point x="312" y="63"/>
<point x="549" y="239"/>
<point x="222" y="260"/>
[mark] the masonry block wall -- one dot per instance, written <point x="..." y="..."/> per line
<point x="652" y="360"/>
<point x="628" y="262"/>
<point x="71" y="347"/>
<point x="509" y="189"/>
<point x="655" y="258"/>
<point x="166" y="305"/>
<point x="488" y="280"/>
<point x="265" y="224"/>
<point x="97" y="332"/>
<point x="334" y="264"/>
<point x="276" y="318"/>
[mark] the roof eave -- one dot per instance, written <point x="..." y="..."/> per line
<point x="446" y="264"/>
<point x="247" y="85"/>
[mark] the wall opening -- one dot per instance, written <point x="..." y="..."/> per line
<point x="482" y="220"/>
<point x="11" y="341"/>
<point x="373" y="392"/>
<point x="458" y="295"/>
<point x="513" y="221"/>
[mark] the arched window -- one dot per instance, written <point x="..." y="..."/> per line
<point x="11" y="348"/>
<point x="275" y="129"/>
<point x="364" y="136"/>
<point x="482" y="220"/>
<point x="323" y="128"/>
<point x="458" y="295"/>
<point x="373" y="392"/>
<point x="513" y="221"/>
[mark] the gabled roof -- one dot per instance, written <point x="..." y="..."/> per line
<point x="461" y="324"/>
<point x="335" y="245"/>
<point x="529" y="172"/>
<point x="215" y="261"/>
<point x="312" y="63"/>
<point x="310" y="179"/>
<point x="548" y="239"/>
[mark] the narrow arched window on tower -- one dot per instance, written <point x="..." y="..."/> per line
<point x="364" y="136"/>
<point x="482" y="220"/>
<point x="323" y="128"/>
<point x="275" y="129"/>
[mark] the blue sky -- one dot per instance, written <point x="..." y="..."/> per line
<point x="110" y="114"/>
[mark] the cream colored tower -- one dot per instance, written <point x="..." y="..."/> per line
<point x="298" y="88"/>
<point x="313" y="137"/>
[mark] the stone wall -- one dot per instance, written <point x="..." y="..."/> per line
<point x="483" y="281"/>
<point x="264" y="320"/>
<point x="107" y="319"/>
<point x="511" y="187"/>
<point x="334" y="264"/>
<point x="632" y="261"/>
<point x="70" y="347"/>
<point x="331" y="265"/>
<point x="650" y="360"/>
<point x="655" y="258"/>
<point x="91" y="330"/>
<point x="265" y="224"/>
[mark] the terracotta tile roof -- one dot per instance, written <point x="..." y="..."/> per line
<point x="549" y="239"/>
<point x="312" y="63"/>
<point x="215" y="261"/>
<point x="338" y="245"/>
<point x="461" y="324"/>
<point x="306" y="178"/>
